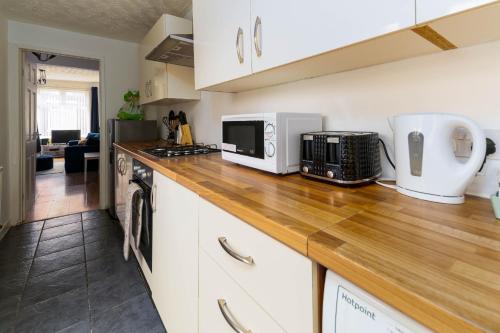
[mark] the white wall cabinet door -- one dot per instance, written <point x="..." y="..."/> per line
<point x="222" y="33"/>
<point x="291" y="30"/>
<point x="431" y="9"/>
<point x="175" y="255"/>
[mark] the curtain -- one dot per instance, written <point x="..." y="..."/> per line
<point x="63" y="109"/>
<point x="94" y="111"/>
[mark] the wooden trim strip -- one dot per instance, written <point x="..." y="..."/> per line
<point x="434" y="37"/>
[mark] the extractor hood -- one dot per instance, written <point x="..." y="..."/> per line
<point x="175" y="49"/>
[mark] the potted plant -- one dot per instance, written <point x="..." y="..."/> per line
<point x="131" y="109"/>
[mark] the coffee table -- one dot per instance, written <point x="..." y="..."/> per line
<point x="87" y="157"/>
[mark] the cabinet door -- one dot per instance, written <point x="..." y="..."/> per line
<point x="159" y="81"/>
<point x="222" y="37"/>
<point x="175" y="255"/>
<point x="431" y="9"/>
<point x="145" y="77"/>
<point x="239" y="308"/>
<point x="292" y="30"/>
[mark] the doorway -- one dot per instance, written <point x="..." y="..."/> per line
<point x="62" y="134"/>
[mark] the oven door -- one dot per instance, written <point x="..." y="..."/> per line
<point x="245" y="137"/>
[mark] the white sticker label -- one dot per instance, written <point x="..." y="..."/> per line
<point x="355" y="315"/>
<point x="229" y="147"/>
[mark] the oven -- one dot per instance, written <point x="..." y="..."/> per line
<point x="142" y="175"/>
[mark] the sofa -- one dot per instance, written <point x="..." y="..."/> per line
<point x="74" y="154"/>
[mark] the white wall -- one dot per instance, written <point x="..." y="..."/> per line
<point x="3" y="114"/>
<point x="464" y="81"/>
<point x="119" y="72"/>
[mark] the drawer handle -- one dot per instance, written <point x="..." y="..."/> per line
<point x="228" y="316"/>
<point x="225" y="245"/>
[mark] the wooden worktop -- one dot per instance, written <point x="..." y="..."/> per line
<point x="437" y="263"/>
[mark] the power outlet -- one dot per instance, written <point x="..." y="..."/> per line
<point x="462" y="143"/>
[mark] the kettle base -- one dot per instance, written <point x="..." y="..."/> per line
<point x="432" y="197"/>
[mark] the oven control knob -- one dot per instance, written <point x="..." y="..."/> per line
<point x="270" y="149"/>
<point x="305" y="169"/>
<point x="330" y="174"/>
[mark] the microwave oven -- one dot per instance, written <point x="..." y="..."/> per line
<point x="267" y="141"/>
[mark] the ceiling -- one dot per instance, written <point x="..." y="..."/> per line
<point x="127" y="20"/>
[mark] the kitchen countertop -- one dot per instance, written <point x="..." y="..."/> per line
<point x="437" y="263"/>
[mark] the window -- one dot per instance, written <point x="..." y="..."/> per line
<point x="63" y="109"/>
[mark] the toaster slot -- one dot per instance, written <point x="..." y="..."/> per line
<point x="333" y="150"/>
<point x="307" y="148"/>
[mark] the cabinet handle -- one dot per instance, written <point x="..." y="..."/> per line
<point x="153" y="198"/>
<point x="225" y="245"/>
<point x="120" y="166"/>
<point x="228" y="316"/>
<point x="239" y="45"/>
<point x="257" y="36"/>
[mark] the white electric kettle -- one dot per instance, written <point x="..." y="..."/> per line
<point x="426" y="166"/>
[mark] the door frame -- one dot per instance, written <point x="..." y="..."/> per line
<point x="103" y="155"/>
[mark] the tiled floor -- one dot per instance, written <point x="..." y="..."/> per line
<point x="68" y="275"/>
<point x="60" y="194"/>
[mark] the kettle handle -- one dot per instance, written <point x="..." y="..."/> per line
<point x="478" y="148"/>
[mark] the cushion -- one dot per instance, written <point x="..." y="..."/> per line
<point x="93" y="139"/>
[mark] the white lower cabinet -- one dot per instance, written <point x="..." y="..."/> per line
<point x="225" y="307"/>
<point x="215" y="273"/>
<point x="175" y="255"/>
<point x="278" y="278"/>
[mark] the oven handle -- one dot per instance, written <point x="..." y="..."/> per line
<point x="153" y="198"/>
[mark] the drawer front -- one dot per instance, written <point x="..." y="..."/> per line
<point x="279" y="279"/>
<point x="215" y="286"/>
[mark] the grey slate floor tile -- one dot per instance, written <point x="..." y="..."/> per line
<point x="63" y="220"/>
<point x="13" y="278"/>
<point x="60" y="231"/>
<point x="118" y="319"/>
<point x="14" y="240"/>
<point x="99" y="222"/>
<point x="95" y="214"/>
<point x="80" y="327"/>
<point x="108" y="233"/>
<point x="53" y="284"/>
<point x="55" y="261"/>
<point x="13" y="254"/>
<point x="70" y="287"/>
<point x="27" y="227"/>
<point x="112" y="266"/>
<point x="113" y="291"/>
<point x="55" y="313"/>
<point x="59" y="244"/>
<point x="103" y="248"/>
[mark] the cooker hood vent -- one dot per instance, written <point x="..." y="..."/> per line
<point x="175" y="49"/>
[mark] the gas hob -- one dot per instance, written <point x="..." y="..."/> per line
<point x="176" y="151"/>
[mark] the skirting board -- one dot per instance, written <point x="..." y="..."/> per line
<point x="4" y="229"/>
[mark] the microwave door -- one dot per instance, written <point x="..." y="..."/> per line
<point x="244" y="138"/>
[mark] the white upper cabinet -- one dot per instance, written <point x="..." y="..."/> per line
<point x="431" y="9"/>
<point x="284" y="31"/>
<point x="222" y="50"/>
<point x="162" y="83"/>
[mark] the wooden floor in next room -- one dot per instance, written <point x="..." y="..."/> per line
<point x="59" y="193"/>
